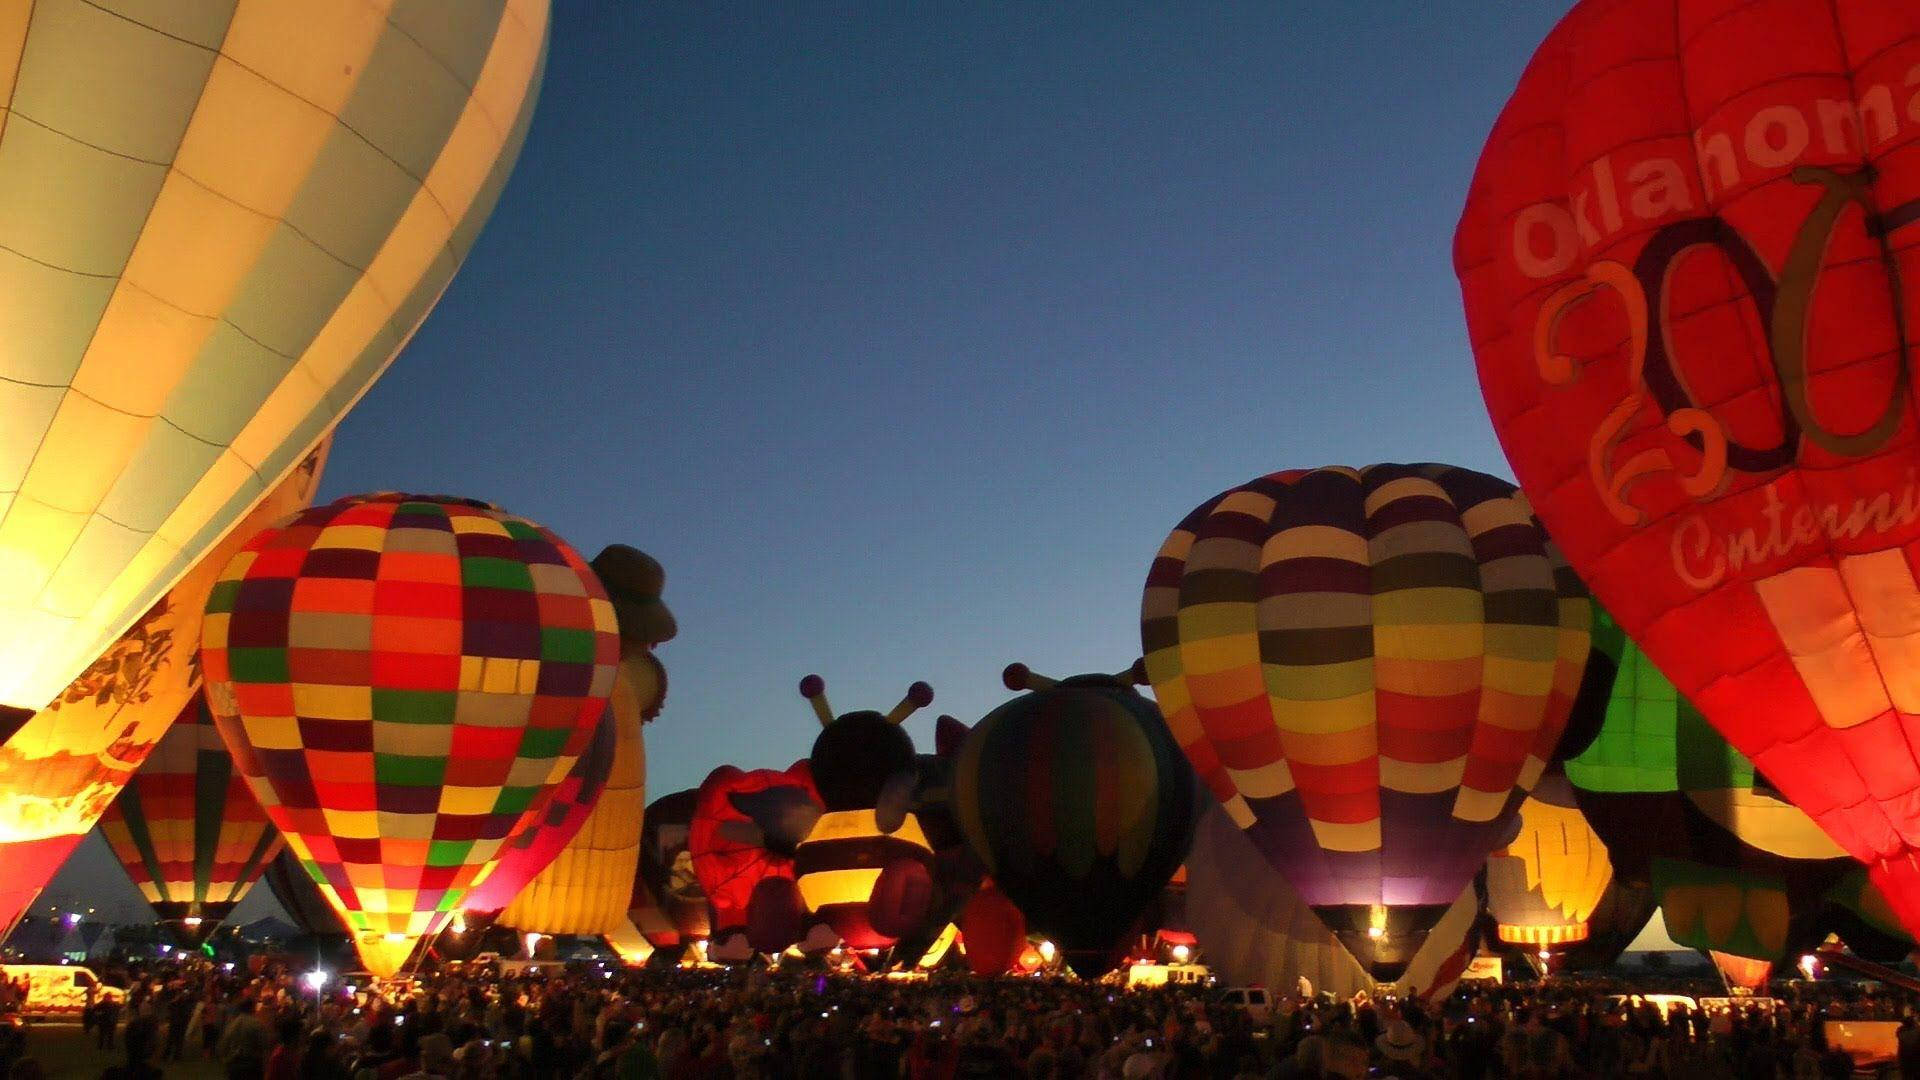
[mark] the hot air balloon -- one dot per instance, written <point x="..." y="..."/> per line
<point x="727" y="849"/>
<point x="187" y="829"/>
<point x="403" y="681"/>
<point x="1687" y="260"/>
<point x="1256" y="930"/>
<point x="1370" y="669"/>
<point x="993" y="931"/>
<point x="220" y="225"/>
<point x="668" y="905"/>
<point x="587" y="887"/>
<point x="865" y="866"/>
<point x="1544" y="885"/>
<point x="61" y="769"/>
<point x="1076" y="798"/>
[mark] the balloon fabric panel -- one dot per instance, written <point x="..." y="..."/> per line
<point x="1370" y="668"/>
<point x="225" y="220"/>
<point x="404" y="680"/>
<point x="187" y="829"/>
<point x="1687" y="259"/>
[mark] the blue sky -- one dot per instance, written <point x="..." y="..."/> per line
<point x="902" y="335"/>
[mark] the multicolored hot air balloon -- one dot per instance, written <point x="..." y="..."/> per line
<point x="1545" y="883"/>
<point x="188" y="831"/>
<point x="218" y="224"/>
<point x="1076" y="798"/>
<point x="587" y="887"/>
<point x="1256" y="930"/>
<point x="1688" y="259"/>
<point x="403" y="680"/>
<point x="1370" y="669"/>
<point x="62" y="768"/>
<point x="866" y="866"/>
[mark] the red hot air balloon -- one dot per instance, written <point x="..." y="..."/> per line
<point x="728" y="850"/>
<point x="1688" y="260"/>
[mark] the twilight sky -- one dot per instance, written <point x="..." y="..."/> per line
<point x="902" y="336"/>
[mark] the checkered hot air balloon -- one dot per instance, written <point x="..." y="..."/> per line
<point x="188" y="830"/>
<point x="403" y="680"/>
<point x="1370" y="668"/>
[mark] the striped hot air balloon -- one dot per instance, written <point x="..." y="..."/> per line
<point x="188" y="830"/>
<point x="1078" y="801"/>
<point x="1370" y="668"/>
<point x="404" y="681"/>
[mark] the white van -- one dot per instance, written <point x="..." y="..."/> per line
<point x="1252" y="1000"/>
<point x="59" y="989"/>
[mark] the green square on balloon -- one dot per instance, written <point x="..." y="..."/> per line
<point x="513" y="800"/>
<point x="449" y="852"/>
<point x="258" y="665"/>
<point x="405" y="770"/>
<point x="538" y="742"/>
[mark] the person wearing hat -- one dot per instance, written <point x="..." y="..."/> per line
<point x="1400" y="1046"/>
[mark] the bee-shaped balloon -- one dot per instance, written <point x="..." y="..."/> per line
<point x="866" y="866"/>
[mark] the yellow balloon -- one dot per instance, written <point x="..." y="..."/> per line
<point x="218" y="225"/>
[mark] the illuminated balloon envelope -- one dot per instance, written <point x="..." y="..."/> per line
<point x="60" y="769"/>
<point x="187" y="829"/>
<point x="222" y="222"/>
<point x="992" y="931"/>
<point x="404" y="681"/>
<point x="1544" y="885"/>
<point x="1370" y="668"/>
<point x="727" y="850"/>
<point x="1688" y="259"/>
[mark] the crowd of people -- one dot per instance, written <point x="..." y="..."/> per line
<point x="606" y="1022"/>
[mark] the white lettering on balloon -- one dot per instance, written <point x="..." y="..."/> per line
<point x="1617" y="191"/>
<point x="1703" y="559"/>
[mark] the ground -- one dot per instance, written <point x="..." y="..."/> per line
<point x="66" y="1053"/>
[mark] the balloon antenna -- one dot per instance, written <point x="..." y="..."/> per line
<point x="919" y="695"/>
<point x="814" y="689"/>
<point x="1019" y="676"/>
